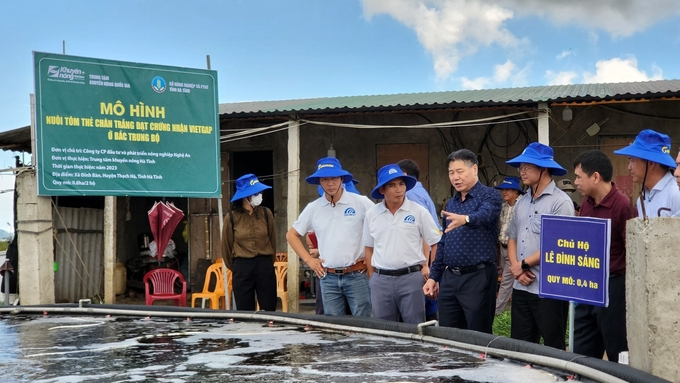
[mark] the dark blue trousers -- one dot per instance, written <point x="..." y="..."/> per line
<point x="468" y="301"/>
<point x="534" y="317"/>
<point x="598" y="329"/>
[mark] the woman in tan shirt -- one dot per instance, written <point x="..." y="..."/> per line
<point x="249" y="246"/>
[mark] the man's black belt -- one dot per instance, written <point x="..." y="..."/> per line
<point x="467" y="270"/>
<point x="398" y="272"/>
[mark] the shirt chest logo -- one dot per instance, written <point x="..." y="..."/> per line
<point x="411" y="220"/>
<point x="350" y="212"/>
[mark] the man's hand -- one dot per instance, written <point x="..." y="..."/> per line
<point x="293" y="239"/>
<point x="314" y="253"/>
<point x="316" y="265"/>
<point x="516" y="269"/>
<point x="526" y="278"/>
<point x="456" y="220"/>
<point x="363" y="260"/>
<point x="436" y="291"/>
<point x="426" y="272"/>
<point x="431" y="289"/>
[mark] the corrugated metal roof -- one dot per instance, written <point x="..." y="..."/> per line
<point x="465" y="98"/>
<point x="19" y="139"/>
<point x="16" y="140"/>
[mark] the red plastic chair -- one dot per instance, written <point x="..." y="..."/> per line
<point x="163" y="282"/>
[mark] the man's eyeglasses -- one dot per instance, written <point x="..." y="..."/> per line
<point x="525" y="168"/>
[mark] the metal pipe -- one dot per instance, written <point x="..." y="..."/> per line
<point x="426" y="324"/>
<point x="5" y="278"/>
<point x="6" y="271"/>
<point x="207" y="237"/>
<point x="572" y="311"/>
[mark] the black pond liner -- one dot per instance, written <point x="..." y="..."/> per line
<point x="493" y="345"/>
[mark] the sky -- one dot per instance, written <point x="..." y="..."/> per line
<point x="277" y="50"/>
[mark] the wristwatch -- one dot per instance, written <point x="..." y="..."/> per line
<point x="467" y="219"/>
<point x="525" y="266"/>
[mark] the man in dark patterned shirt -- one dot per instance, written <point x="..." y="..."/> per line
<point x="465" y="265"/>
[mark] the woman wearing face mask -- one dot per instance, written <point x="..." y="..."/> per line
<point x="249" y="246"/>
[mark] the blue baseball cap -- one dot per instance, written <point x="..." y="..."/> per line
<point x="510" y="182"/>
<point x="328" y="167"/>
<point x="386" y="174"/>
<point x="540" y="155"/>
<point x="349" y="186"/>
<point x="248" y="185"/>
<point x="651" y="146"/>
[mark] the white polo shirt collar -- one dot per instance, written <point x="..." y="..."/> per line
<point x="344" y="199"/>
<point x="382" y="206"/>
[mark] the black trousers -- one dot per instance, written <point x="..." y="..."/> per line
<point x="254" y="276"/>
<point x="599" y="329"/>
<point x="533" y="317"/>
<point x="468" y="301"/>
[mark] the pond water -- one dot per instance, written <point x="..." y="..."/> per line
<point x="126" y="349"/>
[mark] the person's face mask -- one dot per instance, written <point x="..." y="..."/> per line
<point x="255" y="200"/>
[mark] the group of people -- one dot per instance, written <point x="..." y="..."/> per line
<point x="371" y="258"/>
<point x="392" y="260"/>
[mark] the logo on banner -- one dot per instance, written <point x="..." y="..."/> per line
<point x="65" y="74"/>
<point x="53" y="71"/>
<point x="158" y="84"/>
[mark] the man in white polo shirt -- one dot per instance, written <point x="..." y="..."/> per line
<point x="337" y="220"/>
<point x="394" y="231"/>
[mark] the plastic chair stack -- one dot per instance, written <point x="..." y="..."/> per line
<point x="281" y="257"/>
<point x="216" y="295"/>
<point x="281" y="270"/>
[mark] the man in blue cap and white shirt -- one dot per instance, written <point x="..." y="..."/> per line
<point x="314" y="251"/>
<point x="533" y="317"/>
<point x="511" y="192"/>
<point x="419" y="195"/>
<point x="337" y="219"/>
<point x="394" y="231"/>
<point x="650" y="164"/>
<point x="349" y="186"/>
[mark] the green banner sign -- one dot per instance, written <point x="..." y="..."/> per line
<point x="116" y="128"/>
